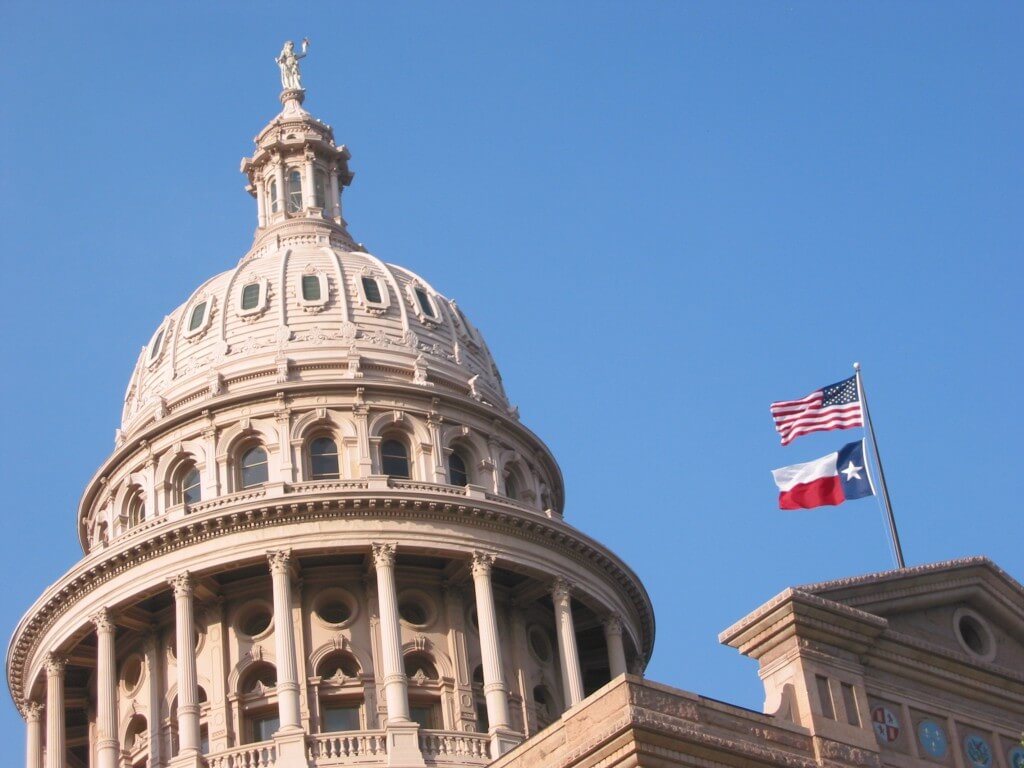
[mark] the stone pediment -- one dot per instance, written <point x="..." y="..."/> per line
<point x="969" y="608"/>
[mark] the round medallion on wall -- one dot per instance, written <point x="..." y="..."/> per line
<point x="886" y="724"/>
<point x="933" y="738"/>
<point x="977" y="751"/>
<point x="1015" y="757"/>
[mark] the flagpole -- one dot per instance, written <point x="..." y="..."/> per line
<point x="881" y="473"/>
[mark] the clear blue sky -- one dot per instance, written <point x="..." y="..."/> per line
<point x="663" y="216"/>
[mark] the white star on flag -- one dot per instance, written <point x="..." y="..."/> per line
<point x="851" y="471"/>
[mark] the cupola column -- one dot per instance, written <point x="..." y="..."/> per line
<point x="185" y="651"/>
<point x="335" y="205"/>
<point x="56" y="744"/>
<point x="284" y="637"/>
<point x="495" y="692"/>
<point x="282" y="191"/>
<point x="308" y="188"/>
<point x="572" y="679"/>
<point x="261" y="200"/>
<point x="106" y="691"/>
<point x="613" y="639"/>
<point x="396" y="686"/>
<point x="33" y="735"/>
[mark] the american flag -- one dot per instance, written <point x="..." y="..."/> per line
<point x="836" y="406"/>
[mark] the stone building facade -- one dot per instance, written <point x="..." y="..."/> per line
<point x="324" y="538"/>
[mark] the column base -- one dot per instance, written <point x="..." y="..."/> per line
<point x="403" y="740"/>
<point x="502" y="741"/>
<point x="290" y="744"/>
<point x="193" y="760"/>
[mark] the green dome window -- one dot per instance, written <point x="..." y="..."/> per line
<point x="251" y="296"/>
<point x="371" y="290"/>
<point x="311" y="287"/>
<point x="198" y="316"/>
<point x="426" y="305"/>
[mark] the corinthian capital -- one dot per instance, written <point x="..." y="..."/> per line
<point x="33" y="710"/>
<point x="561" y="590"/>
<point x="182" y="584"/>
<point x="613" y="624"/>
<point x="483" y="562"/>
<point x="102" y="621"/>
<point x="383" y="554"/>
<point x="55" y="665"/>
<point x="280" y="560"/>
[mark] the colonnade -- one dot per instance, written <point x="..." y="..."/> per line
<point x="394" y="680"/>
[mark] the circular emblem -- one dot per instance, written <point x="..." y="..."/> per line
<point x="886" y="724"/>
<point x="1016" y="756"/>
<point x="978" y="752"/>
<point x="932" y="738"/>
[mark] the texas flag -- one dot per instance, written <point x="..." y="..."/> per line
<point x="830" y="480"/>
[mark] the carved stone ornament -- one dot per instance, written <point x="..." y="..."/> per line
<point x="383" y="554"/>
<point x="561" y="590"/>
<point x="280" y="560"/>
<point x="33" y="711"/>
<point x="102" y="621"/>
<point x="483" y="562"/>
<point x="55" y="665"/>
<point x="613" y="624"/>
<point x="183" y="584"/>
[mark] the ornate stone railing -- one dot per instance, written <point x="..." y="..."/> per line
<point x="260" y="755"/>
<point x="438" y="746"/>
<point x="346" y="747"/>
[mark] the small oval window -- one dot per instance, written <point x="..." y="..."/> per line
<point x="251" y="296"/>
<point x="195" y="320"/>
<point x="425" y="305"/>
<point x="154" y="350"/>
<point x="371" y="290"/>
<point x="311" y="287"/>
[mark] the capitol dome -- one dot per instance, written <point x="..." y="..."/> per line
<point x="323" y="535"/>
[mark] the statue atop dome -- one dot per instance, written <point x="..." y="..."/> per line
<point x="288" y="61"/>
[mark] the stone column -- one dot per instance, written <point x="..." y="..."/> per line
<point x="56" y="745"/>
<point x="309" y="188"/>
<point x="284" y="637"/>
<point x="396" y="687"/>
<point x="155" y="674"/>
<point x="261" y="200"/>
<point x="334" y="209"/>
<point x="495" y="691"/>
<point x="572" y="680"/>
<point x="403" y="746"/>
<point x="613" y="639"/>
<point x="33" y="735"/>
<point x="107" y="749"/>
<point x="188" y="687"/>
<point x="282" y="190"/>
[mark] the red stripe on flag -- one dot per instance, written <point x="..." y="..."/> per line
<point x="825" y="491"/>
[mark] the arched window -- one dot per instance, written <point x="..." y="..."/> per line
<point x="294" y="191"/>
<point x="198" y="316"/>
<point x="323" y="459"/>
<point x="425" y="691"/>
<point x="189" y="485"/>
<point x="320" y="189"/>
<point x="457" y="474"/>
<point x="544" y="706"/>
<point x="341" y="693"/>
<point x="275" y="203"/>
<point x="511" y="486"/>
<point x="257" y="695"/>
<point x="135" y="736"/>
<point x="394" y="458"/>
<point x="254" y="467"/>
<point x="136" y="508"/>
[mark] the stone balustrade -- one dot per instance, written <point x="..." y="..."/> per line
<point x="346" y="747"/>
<point x="438" y="746"/>
<point x="260" y="755"/>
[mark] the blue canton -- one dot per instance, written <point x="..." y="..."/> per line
<point x="840" y="393"/>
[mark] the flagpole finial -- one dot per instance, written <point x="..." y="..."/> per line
<point x="856" y="366"/>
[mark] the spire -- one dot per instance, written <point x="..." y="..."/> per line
<point x="297" y="171"/>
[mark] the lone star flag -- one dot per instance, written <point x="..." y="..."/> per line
<point x="828" y="481"/>
<point x="836" y="406"/>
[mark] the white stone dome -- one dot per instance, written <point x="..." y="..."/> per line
<point x="321" y="310"/>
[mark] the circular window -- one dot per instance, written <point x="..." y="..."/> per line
<point x="974" y="634"/>
<point x="415" y="608"/>
<point x="335" y="608"/>
<point x="254" y="619"/>
<point x="539" y="644"/>
<point x="131" y="673"/>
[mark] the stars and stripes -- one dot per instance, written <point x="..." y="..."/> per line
<point x="836" y="406"/>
